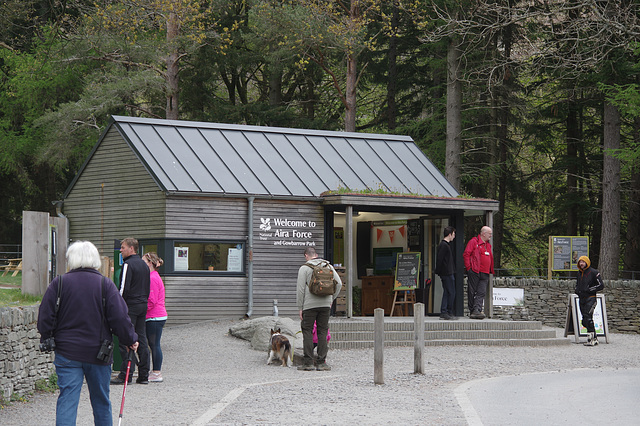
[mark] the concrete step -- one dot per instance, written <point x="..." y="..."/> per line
<point x="352" y="333"/>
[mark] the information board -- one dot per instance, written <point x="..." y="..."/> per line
<point x="407" y="270"/>
<point x="564" y="252"/>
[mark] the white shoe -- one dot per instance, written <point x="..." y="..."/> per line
<point x="155" y="377"/>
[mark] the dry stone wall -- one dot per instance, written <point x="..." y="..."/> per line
<point x="21" y="362"/>
<point x="546" y="301"/>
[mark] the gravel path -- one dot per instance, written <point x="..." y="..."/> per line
<point x="212" y="378"/>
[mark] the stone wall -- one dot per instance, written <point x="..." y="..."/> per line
<point x="21" y="362"/>
<point x="546" y="301"/>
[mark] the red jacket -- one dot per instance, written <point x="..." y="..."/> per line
<point x="471" y="254"/>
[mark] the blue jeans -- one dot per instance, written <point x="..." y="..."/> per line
<point x="154" y="334"/>
<point x="70" y="377"/>
<point x="448" y="294"/>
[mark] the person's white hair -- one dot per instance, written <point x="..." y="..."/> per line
<point x="83" y="254"/>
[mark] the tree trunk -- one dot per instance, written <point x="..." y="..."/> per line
<point x="573" y="137"/>
<point x="632" y="246"/>
<point x="172" y="68"/>
<point x="392" y="108"/>
<point x="350" y="99"/>
<point x="454" y="115"/>
<point x="610" y="241"/>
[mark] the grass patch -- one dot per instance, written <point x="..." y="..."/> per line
<point x="11" y="293"/>
<point x="49" y="384"/>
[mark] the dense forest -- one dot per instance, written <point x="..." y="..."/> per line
<point x="532" y="103"/>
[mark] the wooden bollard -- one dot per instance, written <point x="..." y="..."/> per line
<point x="378" y="346"/>
<point x="418" y="330"/>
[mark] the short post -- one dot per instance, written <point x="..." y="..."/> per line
<point x="378" y="346"/>
<point x="275" y="307"/>
<point x="418" y="330"/>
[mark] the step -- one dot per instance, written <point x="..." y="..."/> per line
<point x="352" y="333"/>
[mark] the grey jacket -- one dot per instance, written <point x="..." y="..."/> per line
<point x="304" y="298"/>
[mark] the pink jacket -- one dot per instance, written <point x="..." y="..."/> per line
<point x="155" y="305"/>
<point x="315" y="333"/>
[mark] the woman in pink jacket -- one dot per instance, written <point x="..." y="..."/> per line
<point x="156" y="314"/>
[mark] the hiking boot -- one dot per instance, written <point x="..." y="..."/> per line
<point x="119" y="380"/>
<point x="142" y="380"/>
<point x="323" y="367"/>
<point x="306" y="367"/>
<point x="476" y="315"/>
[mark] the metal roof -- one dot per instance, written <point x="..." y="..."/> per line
<point x="210" y="158"/>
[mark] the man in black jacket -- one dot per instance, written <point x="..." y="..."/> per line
<point x="446" y="268"/>
<point x="134" y="288"/>
<point x="588" y="283"/>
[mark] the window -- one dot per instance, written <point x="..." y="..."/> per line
<point x="208" y="256"/>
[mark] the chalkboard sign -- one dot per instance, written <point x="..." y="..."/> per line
<point x="407" y="270"/>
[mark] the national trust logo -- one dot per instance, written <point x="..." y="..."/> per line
<point x="266" y="224"/>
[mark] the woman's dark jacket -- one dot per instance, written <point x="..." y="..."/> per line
<point x="79" y="331"/>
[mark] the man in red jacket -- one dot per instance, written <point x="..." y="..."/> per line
<point x="478" y="261"/>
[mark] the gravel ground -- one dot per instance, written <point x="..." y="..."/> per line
<point x="212" y="378"/>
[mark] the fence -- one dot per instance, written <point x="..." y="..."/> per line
<point x="10" y="251"/>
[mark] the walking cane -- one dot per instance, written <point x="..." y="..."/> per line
<point x="130" y="356"/>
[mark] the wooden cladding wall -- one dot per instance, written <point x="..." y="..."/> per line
<point x="278" y="251"/>
<point x="193" y="299"/>
<point x="207" y="218"/>
<point x="114" y="198"/>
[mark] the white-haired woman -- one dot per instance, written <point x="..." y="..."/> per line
<point x="78" y="330"/>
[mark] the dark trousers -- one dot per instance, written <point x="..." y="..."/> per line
<point x="587" y="306"/>
<point x="476" y="290"/>
<point x="448" y="293"/>
<point x="138" y="315"/>
<point x="320" y="316"/>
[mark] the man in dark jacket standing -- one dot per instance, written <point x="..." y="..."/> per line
<point x="478" y="261"/>
<point x="588" y="283"/>
<point x="446" y="268"/>
<point x="134" y="288"/>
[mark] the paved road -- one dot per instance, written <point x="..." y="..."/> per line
<point x="212" y="378"/>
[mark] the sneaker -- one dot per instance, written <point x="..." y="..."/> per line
<point x="119" y="381"/>
<point x="306" y="367"/>
<point x="445" y="316"/>
<point x="323" y="367"/>
<point x="155" y="377"/>
<point x="452" y="318"/>
<point x="142" y="380"/>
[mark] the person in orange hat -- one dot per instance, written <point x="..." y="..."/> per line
<point x="588" y="283"/>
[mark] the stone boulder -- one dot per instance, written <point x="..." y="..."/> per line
<point x="258" y="332"/>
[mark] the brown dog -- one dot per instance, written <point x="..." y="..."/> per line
<point x="280" y="348"/>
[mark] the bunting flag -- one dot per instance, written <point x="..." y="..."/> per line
<point x="392" y="233"/>
<point x="379" y="233"/>
<point x="402" y="231"/>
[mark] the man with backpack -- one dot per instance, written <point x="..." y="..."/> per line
<point x="318" y="285"/>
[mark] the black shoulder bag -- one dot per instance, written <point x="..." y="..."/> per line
<point x="49" y="344"/>
<point x="106" y="349"/>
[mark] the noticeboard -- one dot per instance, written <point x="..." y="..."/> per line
<point x="407" y="270"/>
<point x="564" y="252"/>
<point x="573" y="324"/>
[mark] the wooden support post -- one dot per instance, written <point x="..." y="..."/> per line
<point x="418" y="329"/>
<point x="378" y="346"/>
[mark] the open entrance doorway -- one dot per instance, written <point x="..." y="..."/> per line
<point x="377" y="239"/>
